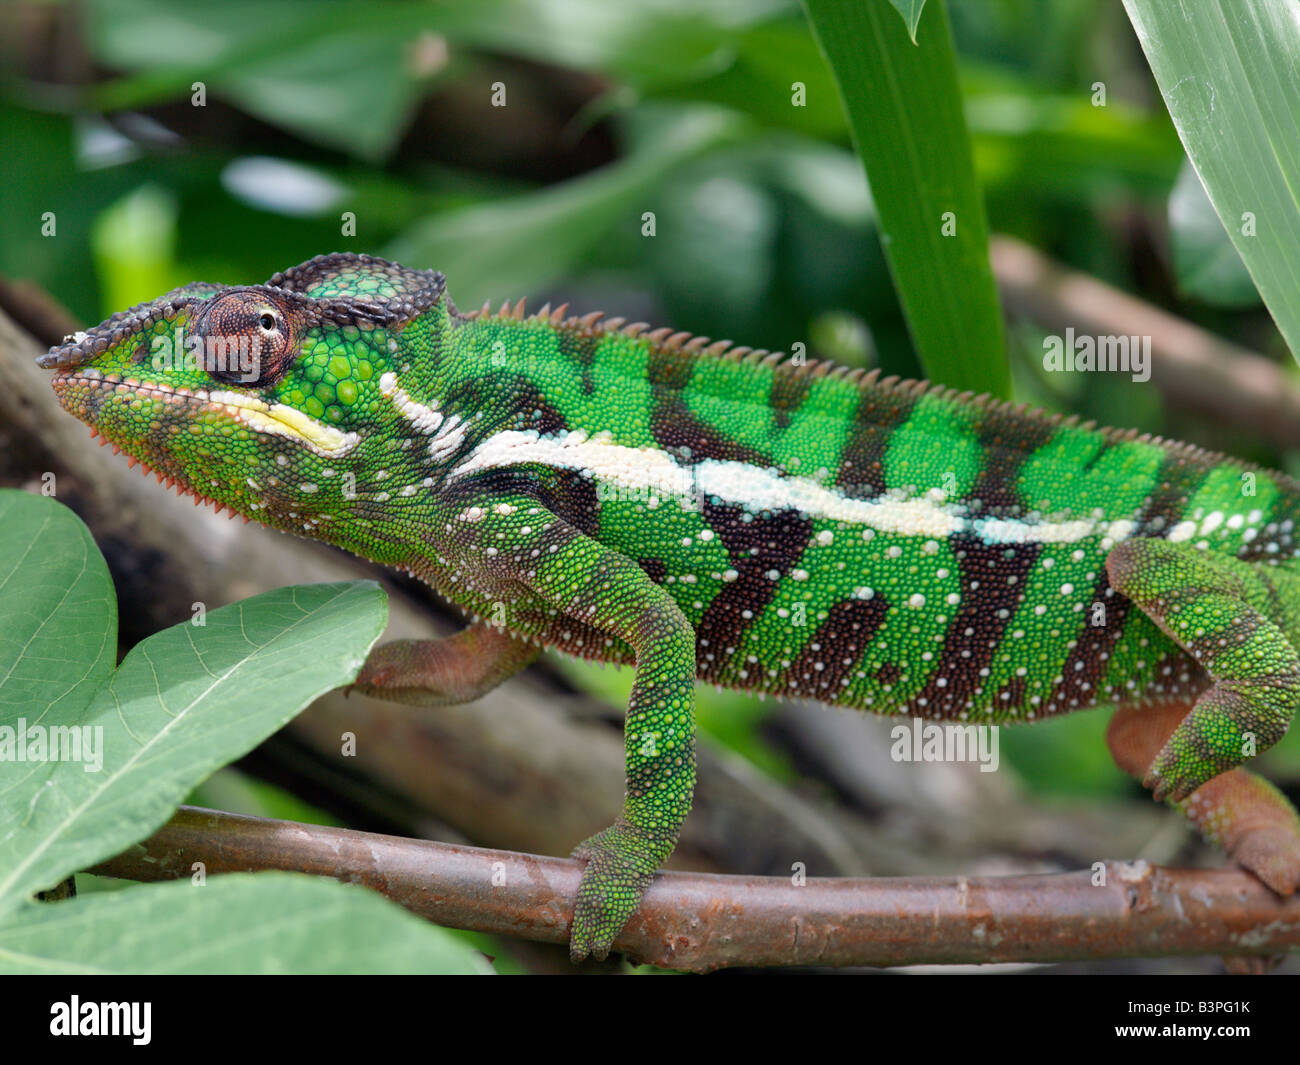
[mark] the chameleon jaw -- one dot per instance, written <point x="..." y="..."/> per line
<point x="275" y="419"/>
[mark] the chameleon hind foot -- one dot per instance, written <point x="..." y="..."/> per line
<point x="1238" y="810"/>
<point x="1219" y="610"/>
<point x="455" y="669"/>
<point x="1253" y="822"/>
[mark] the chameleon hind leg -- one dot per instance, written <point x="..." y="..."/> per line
<point x="1238" y="810"/>
<point x="1220" y="611"/>
<point x="454" y="669"/>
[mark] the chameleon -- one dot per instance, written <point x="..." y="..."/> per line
<point x="702" y="511"/>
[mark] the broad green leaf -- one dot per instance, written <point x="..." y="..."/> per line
<point x="905" y="110"/>
<point x="1205" y="262"/>
<point x="911" y="12"/>
<point x="1227" y="71"/>
<point x="242" y="923"/>
<point x="58" y="619"/>
<point x="183" y="703"/>
<point x="319" y="69"/>
<point x="510" y="247"/>
<point x="347" y="73"/>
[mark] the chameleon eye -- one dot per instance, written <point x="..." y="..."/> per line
<point x="247" y="338"/>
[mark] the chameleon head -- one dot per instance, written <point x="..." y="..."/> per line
<point x="266" y="399"/>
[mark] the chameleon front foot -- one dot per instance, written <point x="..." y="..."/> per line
<point x="620" y="864"/>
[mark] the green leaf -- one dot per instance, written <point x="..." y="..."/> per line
<point x="256" y="923"/>
<point x="348" y="74"/>
<point x="905" y="110"/>
<point x="911" y="12"/>
<point x="510" y="247"/>
<point x="1205" y="262"/>
<point x="318" y="68"/>
<point x="1226" y="69"/>
<point x="183" y="703"/>
<point x="58" y="618"/>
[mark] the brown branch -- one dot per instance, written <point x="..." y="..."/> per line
<point x="1191" y="366"/>
<point x="700" y="921"/>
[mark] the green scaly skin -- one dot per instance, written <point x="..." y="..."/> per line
<point x="706" y="511"/>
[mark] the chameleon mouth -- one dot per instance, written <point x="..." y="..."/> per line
<point x="268" y="419"/>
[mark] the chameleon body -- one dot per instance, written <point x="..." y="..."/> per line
<point x="707" y="511"/>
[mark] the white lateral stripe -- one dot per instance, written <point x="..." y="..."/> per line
<point x="762" y="489"/>
<point x="650" y="470"/>
<point x="635" y="469"/>
<point x="1001" y="531"/>
<point x="282" y="420"/>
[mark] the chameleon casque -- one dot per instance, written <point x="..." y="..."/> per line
<point x="707" y="511"/>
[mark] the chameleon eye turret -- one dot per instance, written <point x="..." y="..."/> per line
<point x="250" y="337"/>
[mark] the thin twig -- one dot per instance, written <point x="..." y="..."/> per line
<point x="700" y="921"/>
<point x="1191" y="366"/>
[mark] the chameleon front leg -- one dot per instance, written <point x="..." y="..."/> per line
<point x="1238" y="810"/>
<point x="1217" y="609"/>
<point x="518" y="540"/>
<point x="443" y="672"/>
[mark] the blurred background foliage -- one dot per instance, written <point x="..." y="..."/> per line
<point x="764" y="228"/>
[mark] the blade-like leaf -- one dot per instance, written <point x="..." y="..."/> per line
<point x="905" y="110"/>
<point x="255" y="923"/>
<point x="184" y="702"/>
<point x="1229" y="71"/>
<point x="911" y="12"/>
